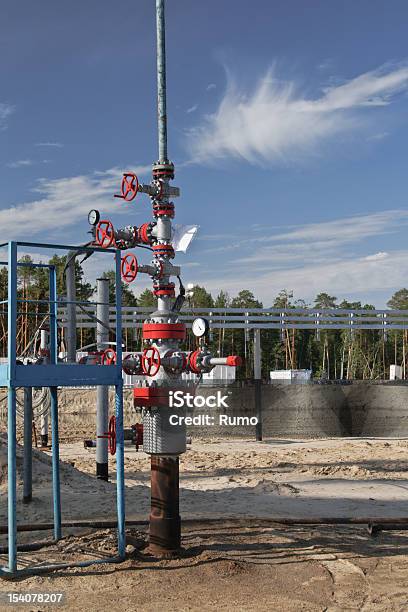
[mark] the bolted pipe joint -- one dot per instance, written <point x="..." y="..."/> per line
<point x="132" y="364"/>
<point x="126" y="238"/>
<point x="174" y="361"/>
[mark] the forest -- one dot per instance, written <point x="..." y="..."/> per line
<point x="333" y="355"/>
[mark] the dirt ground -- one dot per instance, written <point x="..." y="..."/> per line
<point x="240" y="562"/>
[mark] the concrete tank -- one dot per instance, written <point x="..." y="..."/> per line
<point x="309" y="411"/>
<point x="378" y="409"/>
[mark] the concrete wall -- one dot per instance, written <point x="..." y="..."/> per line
<point x="358" y="409"/>
<point x="317" y="411"/>
<point x="378" y="410"/>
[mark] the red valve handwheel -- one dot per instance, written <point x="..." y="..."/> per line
<point x="112" y="435"/>
<point x="108" y="357"/>
<point x="129" y="268"/>
<point x="129" y="187"/>
<point x="104" y="234"/>
<point x="151" y="361"/>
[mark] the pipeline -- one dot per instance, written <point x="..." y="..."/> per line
<point x="90" y="523"/>
<point x="28" y="547"/>
<point x="382" y="522"/>
<point x="374" y="527"/>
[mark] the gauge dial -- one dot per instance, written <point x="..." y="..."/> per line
<point x="93" y="217"/>
<point x="200" y="327"/>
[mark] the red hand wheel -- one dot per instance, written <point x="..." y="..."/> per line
<point x="129" y="187"/>
<point x="108" y="357"/>
<point x="104" y="234"/>
<point x="112" y="435"/>
<point x="129" y="268"/>
<point x="151" y="361"/>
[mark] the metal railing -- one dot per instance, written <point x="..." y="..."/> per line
<point x="257" y="318"/>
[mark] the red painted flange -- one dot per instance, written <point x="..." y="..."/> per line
<point x="151" y="396"/>
<point x="146" y="397"/>
<point x="163" y="249"/>
<point x="192" y="361"/>
<point x="159" y="289"/>
<point x="161" y="209"/>
<point x="156" y="331"/>
<point x="143" y="233"/>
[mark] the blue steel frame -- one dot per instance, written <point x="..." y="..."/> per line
<point x="54" y="375"/>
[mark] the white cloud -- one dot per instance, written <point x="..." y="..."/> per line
<point x="353" y="278"/>
<point x="278" y="123"/>
<point x="326" y="64"/>
<point x="21" y="163"/>
<point x="348" y="229"/>
<point x="56" y="145"/>
<point x="329" y="256"/>
<point x="24" y="163"/>
<point x="192" y="109"/>
<point x="313" y="238"/>
<point x="63" y="202"/>
<point x="211" y="86"/>
<point x="5" y="111"/>
<point x="378" y="136"/>
<point x="377" y="256"/>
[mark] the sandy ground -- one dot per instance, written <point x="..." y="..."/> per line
<point x="238" y="565"/>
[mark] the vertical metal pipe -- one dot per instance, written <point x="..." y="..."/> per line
<point x="120" y="469"/>
<point x="102" y="392"/>
<point x="28" y="446"/>
<point x="258" y="382"/>
<point x="12" y="481"/>
<point x="71" y="308"/>
<point x="45" y="344"/>
<point x="161" y="81"/>
<point x="12" y="310"/>
<point x="120" y="447"/>
<point x="56" y="486"/>
<point x="165" y="522"/>
<point x="44" y="429"/>
<point x="11" y="408"/>
<point x="71" y="295"/>
<point x="53" y="315"/>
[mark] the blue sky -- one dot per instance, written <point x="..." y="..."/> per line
<point x="288" y="126"/>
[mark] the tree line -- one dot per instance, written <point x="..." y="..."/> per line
<point x="337" y="354"/>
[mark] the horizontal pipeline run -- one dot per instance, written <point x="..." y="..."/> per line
<point x="277" y="520"/>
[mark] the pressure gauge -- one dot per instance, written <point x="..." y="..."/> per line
<point x="93" y="217"/>
<point x="200" y="327"/>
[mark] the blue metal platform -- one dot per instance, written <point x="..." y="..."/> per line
<point x="53" y="375"/>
